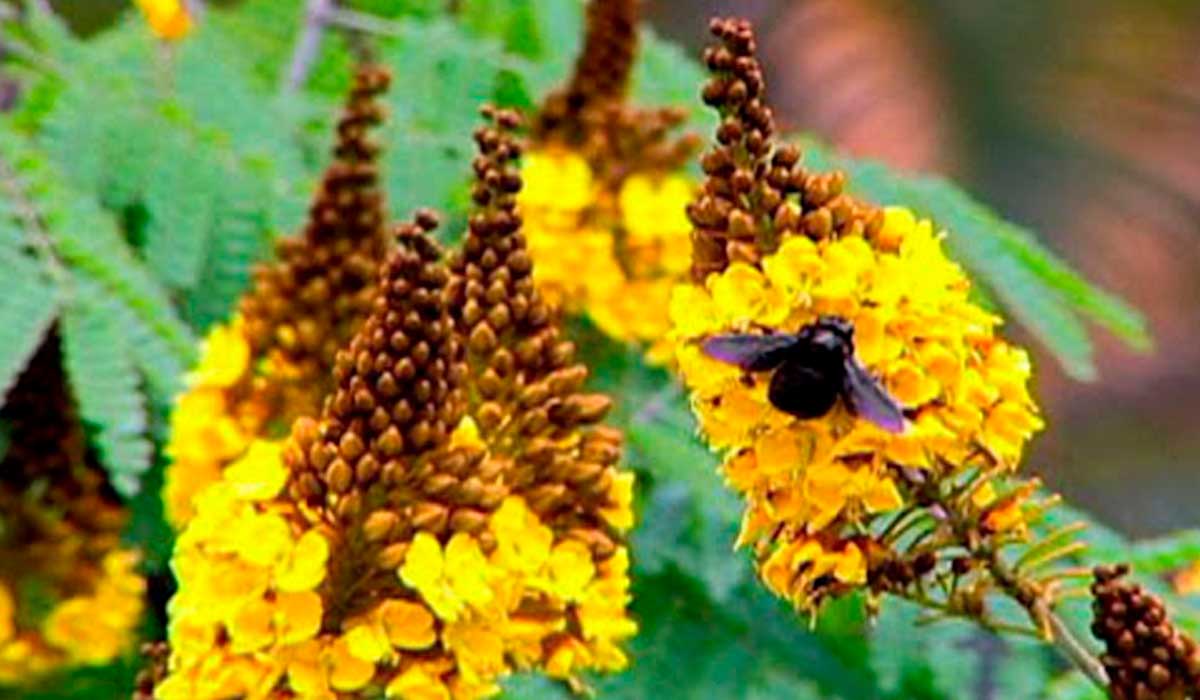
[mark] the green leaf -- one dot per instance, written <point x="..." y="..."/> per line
<point x="1166" y="554"/>
<point x="259" y="36"/>
<point x="87" y="239"/>
<point x="1074" y="686"/>
<point x="106" y="388"/>
<point x="690" y="646"/>
<point x="240" y="239"/>
<point x="1032" y="283"/>
<point x="912" y="660"/>
<point x="28" y="305"/>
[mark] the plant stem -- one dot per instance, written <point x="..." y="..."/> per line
<point x="1029" y="593"/>
<point x="1075" y="651"/>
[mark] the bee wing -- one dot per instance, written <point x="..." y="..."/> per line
<point x="752" y="353"/>
<point x="870" y="400"/>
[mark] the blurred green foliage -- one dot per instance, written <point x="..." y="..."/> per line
<point x="139" y="183"/>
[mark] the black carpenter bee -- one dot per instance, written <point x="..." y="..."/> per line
<point x="812" y="369"/>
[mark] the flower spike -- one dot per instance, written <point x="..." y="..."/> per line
<point x="1146" y="657"/>
<point x="606" y="189"/>
<point x="453" y="513"/>
<point x="271" y="363"/>
<point x="525" y="371"/>
<point x="756" y="193"/>
<point x="835" y="503"/>
<point x="307" y="304"/>
<point x="602" y="70"/>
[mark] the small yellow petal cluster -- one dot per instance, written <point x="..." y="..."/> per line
<point x="87" y="629"/>
<point x="214" y="421"/>
<point x="248" y="570"/>
<point x="168" y="19"/>
<point x="610" y="250"/>
<point x="809" y="483"/>
<point x="1187" y="581"/>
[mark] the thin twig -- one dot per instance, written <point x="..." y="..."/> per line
<point x="196" y="9"/>
<point x="1074" y="650"/>
<point x="1025" y="592"/>
<point x="362" y="22"/>
<point x="316" y="14"/>
<point x="1052" y="539"/>
<point x="1048" y="556"/>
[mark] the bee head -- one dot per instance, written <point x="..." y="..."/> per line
<point x="833" y="330"/>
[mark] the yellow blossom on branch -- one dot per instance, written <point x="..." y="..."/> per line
<point x="832" y="498"/>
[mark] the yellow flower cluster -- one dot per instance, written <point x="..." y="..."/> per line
<point x="70" y="594"/>
<point x="168" y="19"/>
<point x="90" y="628"/>
<point x="227" y="405"/>
<point x="374" y="553"/>
<point x="251" y="613"/>
<point x="811" y="484"/>
<point x="610" y="251"/>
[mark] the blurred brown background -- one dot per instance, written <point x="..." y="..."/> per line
<point x="1080" y="118"/>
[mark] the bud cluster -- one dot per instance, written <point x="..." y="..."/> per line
<point x="307" y="303"/>
<point x="601" y="72"/>
<point x="756" y="193"/>
<point x="1146" y="657"/>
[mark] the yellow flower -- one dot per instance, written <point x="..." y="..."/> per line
<point x="451" y="580"/>
<point x="96" y="627"/>
<point x="304" y="566"/>
<point x="1187" y="582"/>
<point x="260" y="473"/>
<point x="417" y="684"/>
<point x="408" y="626"/>
<point x="478" y="647"/>
<point x="203" y="436"/>
<point x="654" y="212"/>
<point x="569" y="570"/>
<point x="347" y="672"/>
<point x="8" y="626"/>
<point x="225" y="354"/>
<point x="168" y="19"/>
<point x="287" y="618"/>
<point x="523" y="544"/>
<point x="557" y="181"/>
<point x="620" y="515"/>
